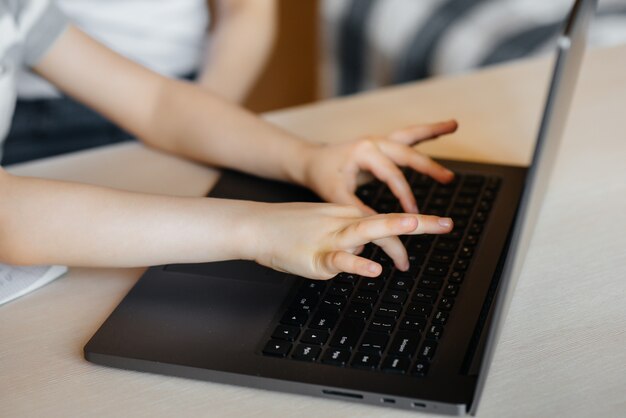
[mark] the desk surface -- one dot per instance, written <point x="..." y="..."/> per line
<point x="562" y="349"/>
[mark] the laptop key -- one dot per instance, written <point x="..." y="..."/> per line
<point x="428" y="350"/>
<point x="306" y="352"/>
<point x="471" y="239"/>
<point x="474" y="180"/>
<point x="395" y="296"/>
<point x="419" y="310"/>
<point x="442" y="257"/>
<point x="436" y="270"/>
<point x="373" y="342"/>
<point x="465" y="202"/>
<point x="480" y="217"/>
<point x="430" y="283"/>
<point x="476" y="228"/>
<point x="313" y="336"/>
<point x="305" y="302"/>
<point x="489" y="195"/>
<point x="461" y="264"/>
<point x="492" y="183"/>
<point x="389" y="311"/>
<point x="368" y="298"/>
<point x="446" y="245"/>
<point x="295" y="318"/>
<point x="324" y="320"/>
<point x="405" y="343"/>
<point x="346" y="278"/>
<point x="468" y="191"/>
<point x="340" y="289"/>
<point x="359" y="310"/>
<point x="460" y="224"/>
<point x="336" y="356"/>
<point x="413" y="324"/>
<point x="277" y="348"/>
<point x="446" y="304"/>
<point x="365" y="360"/>
<point x="438" y="203"/>
<point x="381" y="324"/>
<point x="440" y="318"/>
<point x="461" y="212"/>
<point x="424" y="296"/>
<point x="347" y="334"/>
<point x="286" y="332"/>
<point x="419" y="247"/>
<point x="420" y="368"/>
<point x="451" y="290"/>
<point x="434" y="332"/>
<point x="333" y="302"/>
<point x="372" y="285"/>
<point x="395" y="364"/>
<point x="313" y="286"/>
<point x="401" y="283"/>
<point x="456" y="277"/>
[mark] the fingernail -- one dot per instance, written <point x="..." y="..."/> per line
<point x="372" y="267"/>
<point x="445" y="222"/>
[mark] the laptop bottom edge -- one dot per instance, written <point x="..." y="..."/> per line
<point x="276" y="385"/>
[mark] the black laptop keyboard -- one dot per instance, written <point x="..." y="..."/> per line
<point x="392" y="323"/>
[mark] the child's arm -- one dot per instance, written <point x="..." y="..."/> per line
<point x="53" y="222"/>
<point x="56" y="222"/>
<point x="238" y="46"/>
<point x="181" y="118"/>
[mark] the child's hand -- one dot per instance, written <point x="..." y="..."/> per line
<point x="332" y="171"/>
<point x="320" y="240"/>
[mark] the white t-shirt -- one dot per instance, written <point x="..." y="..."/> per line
<point x="27" y="29"/>
<point x="167" y="36"/>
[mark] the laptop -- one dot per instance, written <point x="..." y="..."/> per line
<point x="421" y="340"/>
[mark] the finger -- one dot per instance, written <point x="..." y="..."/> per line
<point x="430" y="224"/>
<point x="336" y="262"/>
<point x="348" y="198"/>
<point x="394" y="249"/>
<point x="405" y="155"/>
<point x="427" y="224"/>
<point x="385" y="170"/>
<point x="372" y="228"/>
<point x="417" y="133"/>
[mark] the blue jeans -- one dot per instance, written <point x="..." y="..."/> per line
<point x="47" y="127"/>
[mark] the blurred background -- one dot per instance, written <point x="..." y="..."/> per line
<point x="328" y="48"/>
<point x="273" y="54"/>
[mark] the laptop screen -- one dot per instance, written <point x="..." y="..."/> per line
<point x="570" y="50"/>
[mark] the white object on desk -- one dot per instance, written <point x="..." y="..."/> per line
<point x="16" y="281"/>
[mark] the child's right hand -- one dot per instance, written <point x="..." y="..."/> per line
<point x="320" y="240"/>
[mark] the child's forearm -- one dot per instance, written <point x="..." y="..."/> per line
<point x="238" y="46"/>
<point x="53" y="222"/>
<point x="193" y="123"/>
<point x="172" y="115"/>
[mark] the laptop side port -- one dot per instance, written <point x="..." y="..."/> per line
<point x="343" y="394"/>
<point x="387" y="400"/>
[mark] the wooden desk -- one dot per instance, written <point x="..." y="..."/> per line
<point x="563" y="349"/>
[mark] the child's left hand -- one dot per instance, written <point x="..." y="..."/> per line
<point x="332" y="171"/>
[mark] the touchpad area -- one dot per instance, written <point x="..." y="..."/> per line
<point x="247" y="271"/>
<point x="194" y="320"/>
